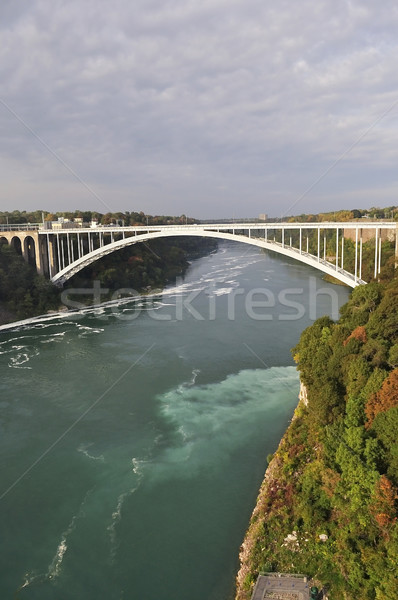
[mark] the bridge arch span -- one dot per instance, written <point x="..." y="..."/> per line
<point x="17" y="244"/>
<point x="344" y="276"/>
<point x="29" y="250"/>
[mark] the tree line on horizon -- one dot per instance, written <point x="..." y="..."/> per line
<point x="126" y="218"/>
<point x="342" y="216"/>
<point x="132" y="218"/>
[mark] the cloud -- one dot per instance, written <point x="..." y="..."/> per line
<point x="212" y="108"/>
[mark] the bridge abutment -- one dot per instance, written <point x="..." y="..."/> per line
<point x="28" y="244"/>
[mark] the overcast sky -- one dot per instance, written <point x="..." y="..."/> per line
<point x="210" y="107"/>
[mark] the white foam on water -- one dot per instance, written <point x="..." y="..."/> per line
<point x="183" y="433"/>
<point x="182" y="289"/>
<point x="195" y="373"/>
<point x="16" y="339"/>
<point x="13" y="348"/>
<point x="55" y="566"/>
<point x="22" y="349"/>
<point x="8" y="347"/>
<point x="116" y="516"/>
<point x="222" y="291"/>
<point x="30" y="578"/>
<point x="67" y="316"/>
<point x="30" y="345"/>
<point x="187" y="384"/>
<point x="21" y="358"/>
<point x="83" y="448"/>
<point x="55" y="337"/>
<point x="167" y="304"/>
<point x="138" y="465"/>
<point x="85" y="330"/>
<point x="115" y="519"/>
<point x="213" y="420"/>
<point x="232" y="282"/>
<point x="40" y="322"/>
<point x="54" y="569"/>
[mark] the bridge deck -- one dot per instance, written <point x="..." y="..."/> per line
<point x="62" y="250"/>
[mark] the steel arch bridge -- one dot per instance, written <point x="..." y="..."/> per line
<point x="61" y="253"/>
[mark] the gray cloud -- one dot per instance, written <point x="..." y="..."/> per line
<point x="213" y="108"/>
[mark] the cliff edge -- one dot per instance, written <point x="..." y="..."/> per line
<point x="328" y="504"/>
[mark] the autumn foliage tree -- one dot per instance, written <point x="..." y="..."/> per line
<point x="384" y="399"/>
<point x="359" y="334"/>
<point x="383" y="505"/>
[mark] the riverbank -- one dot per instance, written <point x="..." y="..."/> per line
<point x="6" y="316"/>
<point x="270" y="487"/>
<point x="138" y="269"/>
<point x="328" y="503"/>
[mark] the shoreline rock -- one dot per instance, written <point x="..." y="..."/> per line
<point x="259" y="514"/>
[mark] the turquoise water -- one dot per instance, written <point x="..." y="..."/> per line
<point x="134" y="437"/>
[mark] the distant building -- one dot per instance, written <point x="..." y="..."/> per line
<point x="62" y="223"/>
<point x="263" y="216"/>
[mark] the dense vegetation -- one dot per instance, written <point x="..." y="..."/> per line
<point x="119" y="218"/>
<point x="24" y="294"/>
<point x="390" y="212"/>
<point x="335" y="473"/>
<point x="141" y="218"/>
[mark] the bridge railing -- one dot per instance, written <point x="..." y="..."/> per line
<point x="21" y="227"/>
<point x="315" y="260"/>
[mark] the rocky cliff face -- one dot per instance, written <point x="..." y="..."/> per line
<point x="254" y="538"/>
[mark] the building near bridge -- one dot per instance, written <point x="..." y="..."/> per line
<point x="62" y="223"/>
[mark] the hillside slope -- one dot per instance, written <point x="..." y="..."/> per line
<point x="335" y="473"/>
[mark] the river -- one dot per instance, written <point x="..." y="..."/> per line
<point x="134" y="436"/>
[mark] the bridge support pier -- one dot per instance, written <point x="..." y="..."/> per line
<point x="342" y="250"/>
<point x="51" y="262"/>
<point x="30" y="246"/>
<point x="356" y="256"/>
